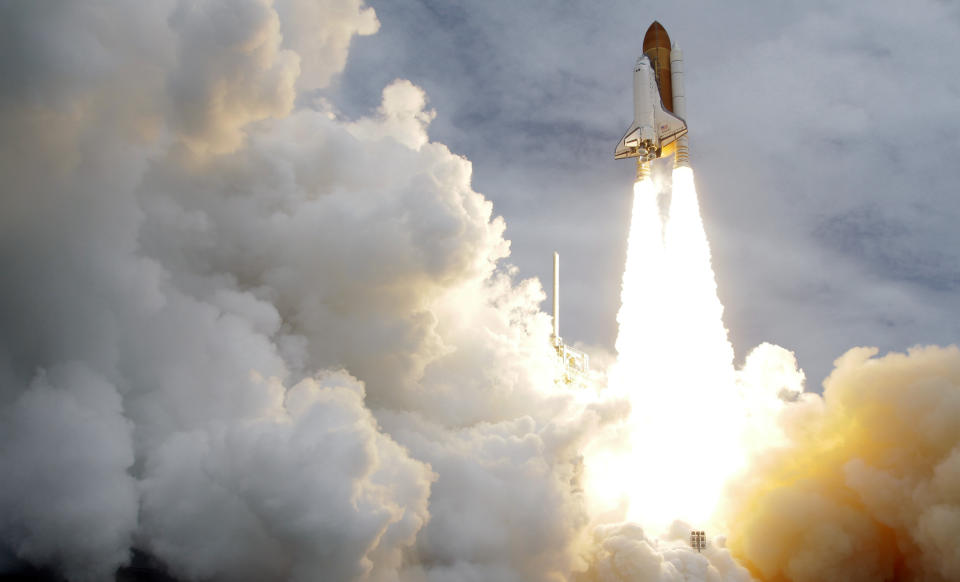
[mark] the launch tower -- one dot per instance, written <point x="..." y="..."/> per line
<point x="575" y="363"/>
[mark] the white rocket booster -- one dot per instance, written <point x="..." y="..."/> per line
<point x="681" y="150"/>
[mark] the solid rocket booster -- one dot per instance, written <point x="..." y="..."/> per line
<point x="658" y="128"/>
<point x="681" y="155"/>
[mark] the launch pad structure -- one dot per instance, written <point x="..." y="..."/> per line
<point x="698" y="540"/>
<point x="575" y="363"/>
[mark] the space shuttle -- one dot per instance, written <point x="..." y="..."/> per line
<point x="659" y="105"/>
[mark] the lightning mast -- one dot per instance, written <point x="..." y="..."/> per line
<point x="556" y="298"/>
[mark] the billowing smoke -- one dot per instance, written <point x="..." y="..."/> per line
<point x="253" y="339"/>
<point x="624" y="552"/>
<point x="866" y="484"/>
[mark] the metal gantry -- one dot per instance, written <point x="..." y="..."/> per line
<point x="698" y="539"/>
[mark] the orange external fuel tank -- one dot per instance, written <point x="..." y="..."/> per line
<point x="656" y="45"/>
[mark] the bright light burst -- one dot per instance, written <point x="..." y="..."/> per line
<point x="675" y="365"/>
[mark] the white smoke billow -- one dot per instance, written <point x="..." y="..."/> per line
<point x="258" y="341"/>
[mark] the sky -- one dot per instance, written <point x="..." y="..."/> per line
<point x="822" y="136"/>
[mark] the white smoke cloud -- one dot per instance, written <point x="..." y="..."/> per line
<point x="230" y="71"/>
<point x="767" y="381"/>
<point x="252" y="511"/>
<point x="625" y="553"/>
<point x="65" y="451"/>
<point x="255" y="341"/>
<point x="324" y="48"/>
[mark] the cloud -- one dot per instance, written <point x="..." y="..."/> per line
<point x="259" y="341"/>
<point x="241" y="502"/>
<point x="231" y="71"/>
<point x="324" y="49"/>
<point x="865" y="486"/>
<point x="66" y="449"/>
<point x="401" y="116"/>
<point x="624" y="553"/>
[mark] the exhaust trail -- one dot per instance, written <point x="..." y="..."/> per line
<point x="705" y="411"/>
<point x="615" y="474"/>
<point x="699" y="317"/>
<point x="640" y="318"/>
<point x="675" y="366"/>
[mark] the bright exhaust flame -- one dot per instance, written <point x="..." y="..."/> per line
<point x="675" y="365"/>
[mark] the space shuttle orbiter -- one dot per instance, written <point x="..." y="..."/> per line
<point x="659" y="104"/>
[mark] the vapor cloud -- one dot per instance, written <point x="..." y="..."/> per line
<point x="624" y="553"/>
<point x="866" y="486"/>
<point x="65" y="454"/>
<point x="253" y="339"/>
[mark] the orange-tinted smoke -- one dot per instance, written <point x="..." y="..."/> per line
<point x="868" y="486"/>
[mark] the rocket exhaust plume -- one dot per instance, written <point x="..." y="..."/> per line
<point x="664" y="476"/>
<point x="674" y="364"/>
